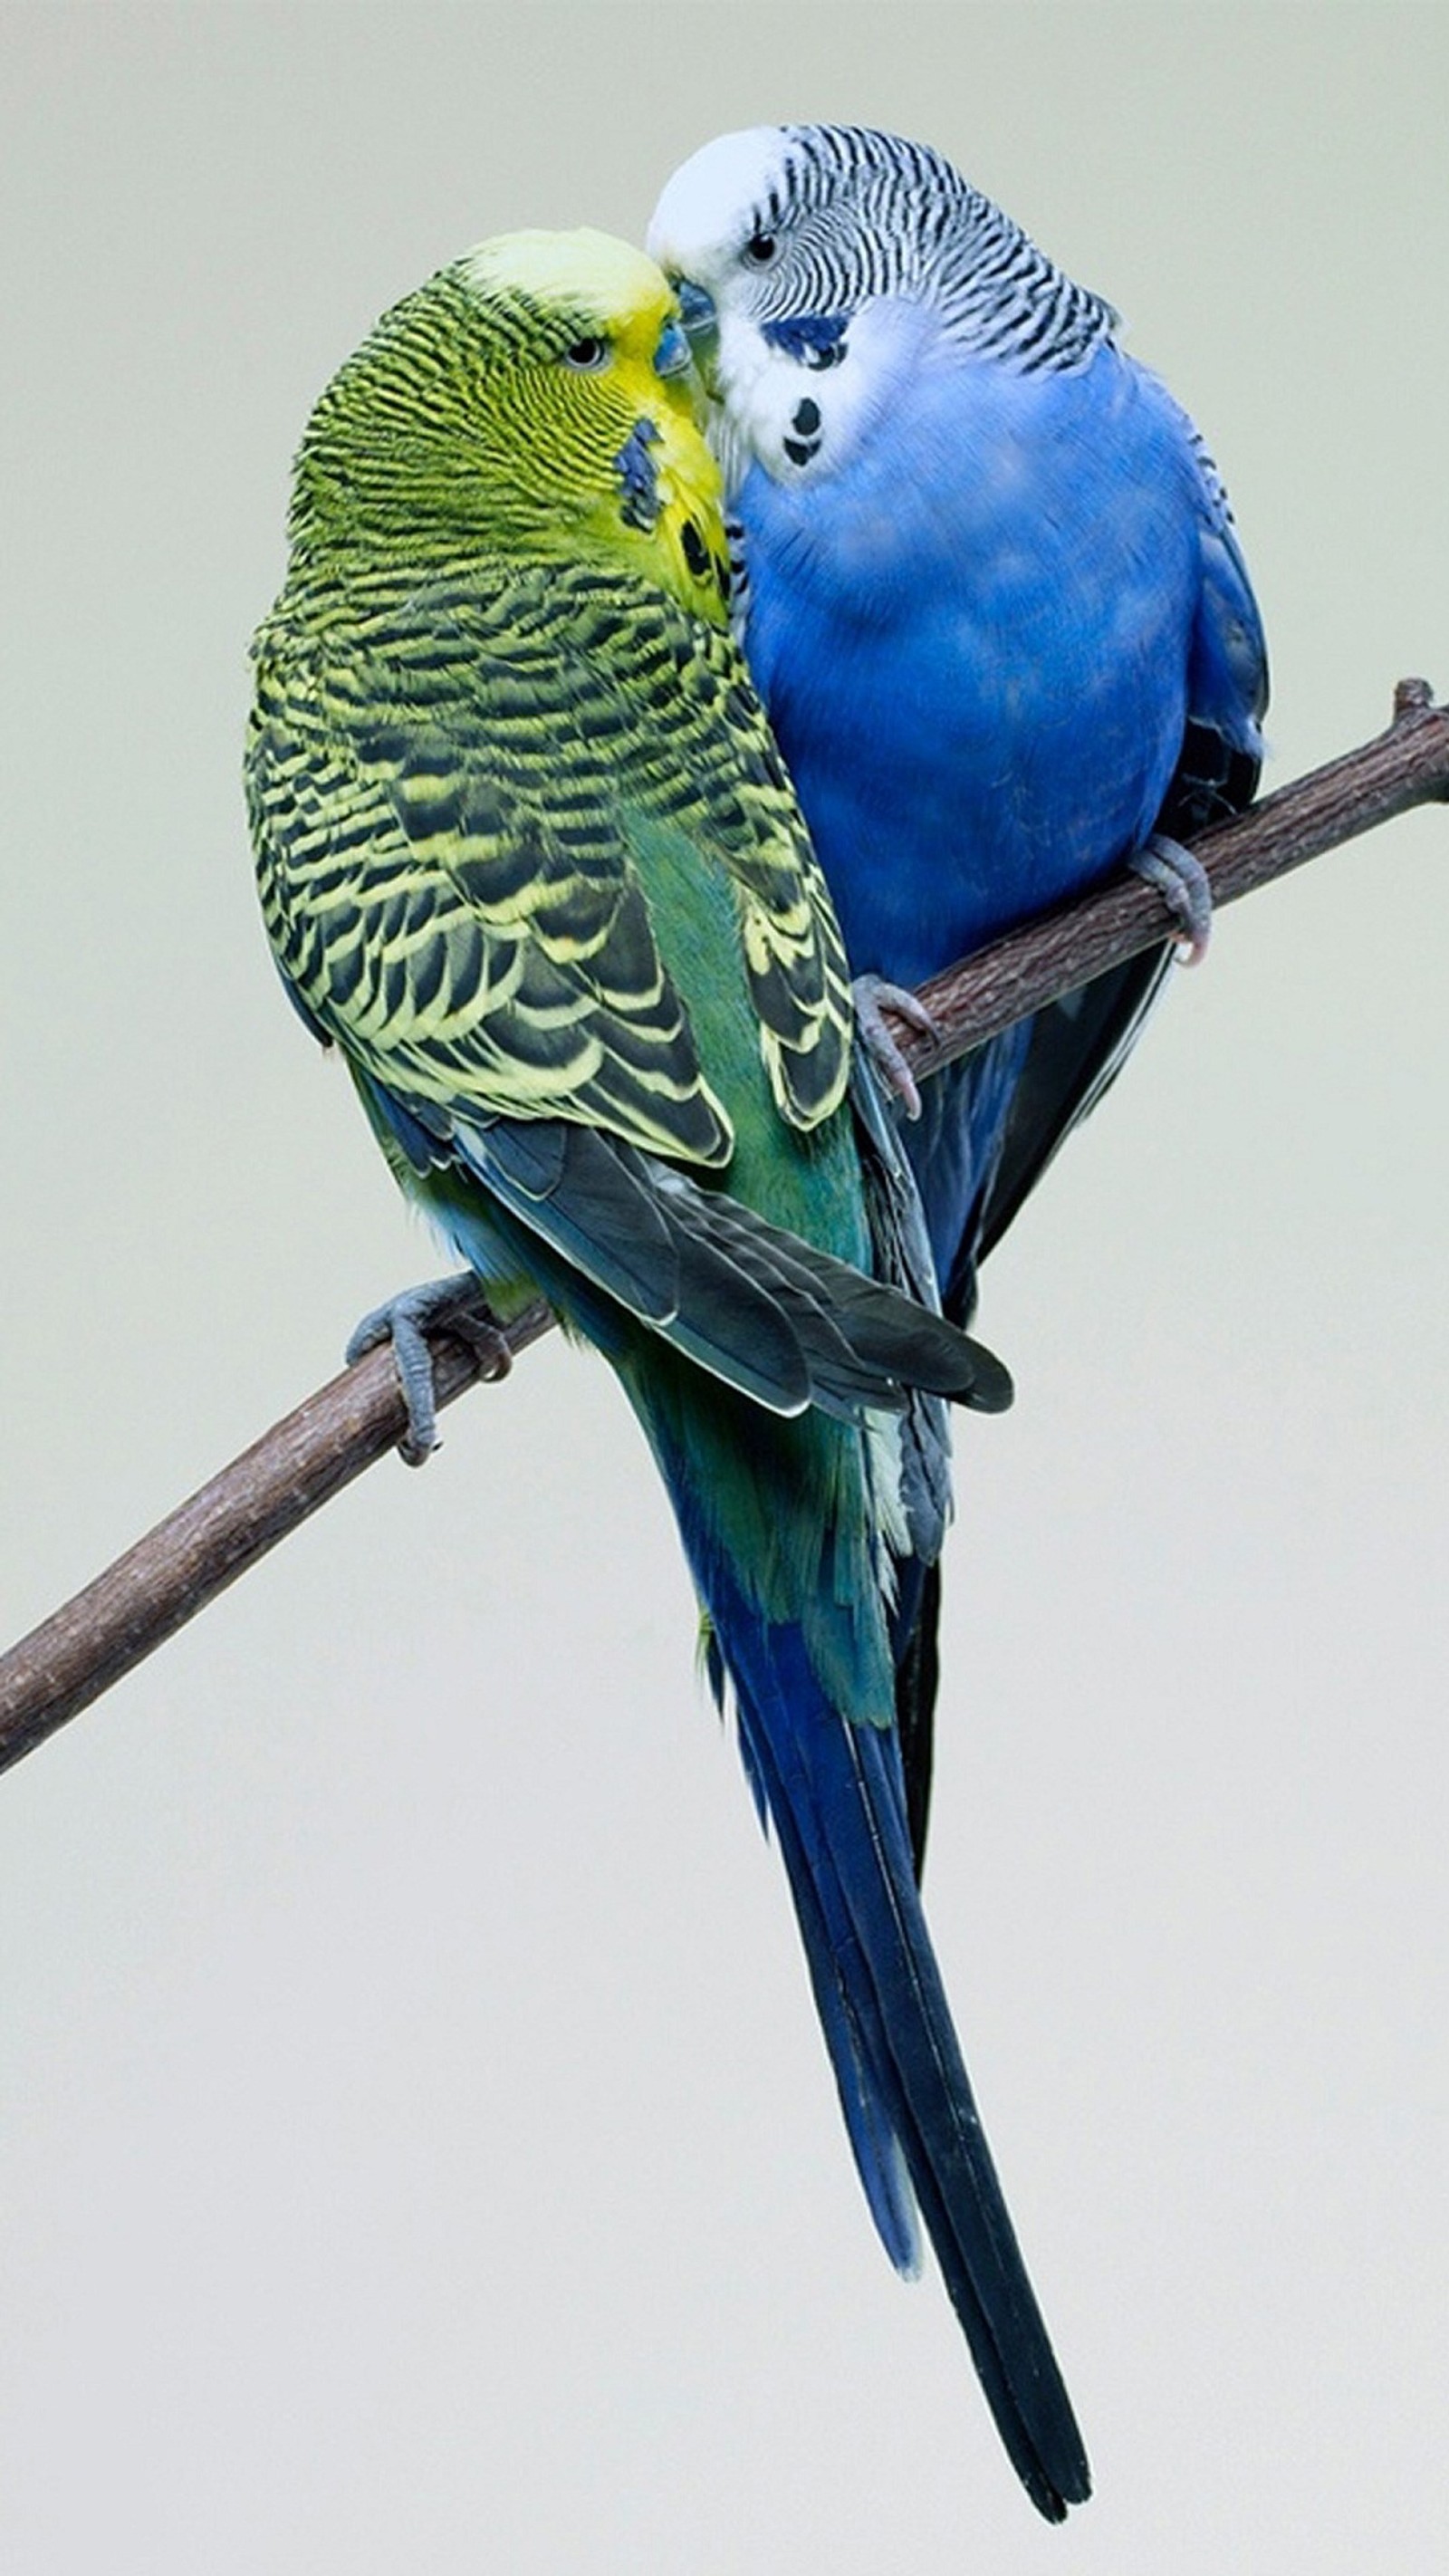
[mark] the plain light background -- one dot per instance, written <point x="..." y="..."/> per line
<point x="416" y="2149"/>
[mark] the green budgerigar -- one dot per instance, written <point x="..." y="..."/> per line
<point x="528" y="856"/>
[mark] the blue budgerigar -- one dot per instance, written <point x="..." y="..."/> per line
<point x="994" y="603"/>
<point x="992" y="597"/>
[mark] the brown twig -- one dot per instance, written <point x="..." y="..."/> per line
<point x="217" y="1534"/>
<point x="262" y="1496"/>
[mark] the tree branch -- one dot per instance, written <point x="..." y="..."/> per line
<point x="262" y="1496"/>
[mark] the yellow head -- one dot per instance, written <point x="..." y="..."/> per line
<point x="535" y="398"/>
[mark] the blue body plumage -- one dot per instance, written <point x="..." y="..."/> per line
<point x="1026" y="696"/>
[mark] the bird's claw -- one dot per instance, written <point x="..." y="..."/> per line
<point x="1185" y="888"/>
<point x="456" y="1305"/>
<point x="873" y="997"/>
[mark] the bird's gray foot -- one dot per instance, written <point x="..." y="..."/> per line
<point x="873" y="997"/>
<point x="1182" y="881"/>
<point x="457" y="1304"/>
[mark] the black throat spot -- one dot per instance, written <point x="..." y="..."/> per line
<point x="808" y="427"/>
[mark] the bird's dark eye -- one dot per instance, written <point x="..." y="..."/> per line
<point x="586" y="357"/>
<point x="761" y="249"/>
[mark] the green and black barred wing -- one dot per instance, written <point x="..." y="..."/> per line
<point x="451" y="799"/>
<point x="471" y="807"/>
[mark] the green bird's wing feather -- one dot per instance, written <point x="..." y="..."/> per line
<point x="484" y="810"/>
<point x="453" y="798"/>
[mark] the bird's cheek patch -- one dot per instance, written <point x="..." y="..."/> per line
<point x="815" y="340"/>
<point x="639" y="477"/>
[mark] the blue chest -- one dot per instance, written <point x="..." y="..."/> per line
<point x="973" y="639"/>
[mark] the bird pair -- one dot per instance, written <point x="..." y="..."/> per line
<point x="583" y="819"/>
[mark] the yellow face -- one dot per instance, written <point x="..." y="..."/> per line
<point x="624" y="404"/>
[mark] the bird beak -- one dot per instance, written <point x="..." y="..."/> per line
<point x="701" y="324"/>
<point x="696" y="308"/>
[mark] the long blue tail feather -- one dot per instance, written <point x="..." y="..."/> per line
<point x="834" y="1789"/>
<point x="825" y="1930"/>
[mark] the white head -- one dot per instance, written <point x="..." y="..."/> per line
<point x="812" y="259"/>
<point x="794" y="355"/>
